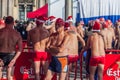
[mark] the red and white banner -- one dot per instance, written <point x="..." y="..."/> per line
<point x="24" y="67"/>
<point x="112" y="67"/>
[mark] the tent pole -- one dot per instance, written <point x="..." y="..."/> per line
<point x="48" y="7"/>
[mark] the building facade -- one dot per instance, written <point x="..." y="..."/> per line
<point x="19" y="8"/>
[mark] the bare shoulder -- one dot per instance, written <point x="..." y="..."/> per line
<point x="67" y="34"/>
<point x="15" y="32"/>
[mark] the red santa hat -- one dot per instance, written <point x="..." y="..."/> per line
<point x="105" y="24"/>
<point x="109" y="21"/>
<point x="102" y="19"/>
<point x="41" y="20"/>
<point x="70" y="19"/>
<point x="91" y="23"/>
<point x="97" y="20"/>
<point x="96" y="26"/>
<point x="59" y="22"/>
<point x="52" y="18"/>
<point x="67" y="26"/>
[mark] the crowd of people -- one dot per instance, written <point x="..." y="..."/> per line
<point x="57" y="44"/>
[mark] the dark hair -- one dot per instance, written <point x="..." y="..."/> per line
<point x="77" y="24"/>
<point x="9" y="20"/>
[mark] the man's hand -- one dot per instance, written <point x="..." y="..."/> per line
<point x="1" y="63"/>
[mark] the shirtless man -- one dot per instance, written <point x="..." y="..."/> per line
<point x="97" y="60"/>
<point x="73" y="42"/>
<point x="108" y="35"/>
<point x="9" y="39"/>
<point x="39" y="37"/>
<point x="73" y="45"/>
<point x="70" y="21"/>
<point x="80" y="29"/>
<point x="117" y="30"/>
<point x="59" y="52"/>
<point x="50" y="26"/>
<point x="30" y="26"/>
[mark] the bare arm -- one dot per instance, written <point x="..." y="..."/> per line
<point x="81" y="40"/>
<point x="48" y="42"/>
<point x="88" y="44"/>
<point x="64" y="44"/>
<point x="49" y="26"/>
<point x="18" y="52"/>
<point x="29" y="39"/>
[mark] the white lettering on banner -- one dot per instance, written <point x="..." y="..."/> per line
<point x="111" y="72"/>
<point x="30" y="72"/>
<point x="115" y="73"/>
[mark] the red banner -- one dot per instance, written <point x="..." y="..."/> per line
<point x="24" y="67"/>
<point x="112" y="67"/>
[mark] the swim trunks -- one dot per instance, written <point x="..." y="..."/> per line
<point x="94" y="61"/>
<point x="73" y="58"/>
<point x="59" y="64"/>
<point x="40" y="56"/>
<point x="6" y="57"/>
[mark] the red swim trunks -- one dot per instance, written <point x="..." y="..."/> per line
<point x="73" y="58"/>
<point x="40" y="56"/>
<point x="94" y="61"/>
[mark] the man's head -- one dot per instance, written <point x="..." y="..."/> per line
<point x="102" y="20"/>
<point x="9" y="20"/>
<point x="117" y="23"/>
<point x="70" y="20"/>
<point x="67" y="26"/>
<point x="96" y="27"/>
<point x="105" y="24"/>
<point x="109" y="22"/>
<point x="52" y="18"/>
<point x="59" y="25"/>
<point x="81" y="24"/>
<point x="40" y="20"/>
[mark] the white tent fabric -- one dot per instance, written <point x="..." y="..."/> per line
<point x="92" y="9"/>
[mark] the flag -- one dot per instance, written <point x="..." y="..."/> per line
<point x="93" y="9"/>
<point x="39" y="12"/>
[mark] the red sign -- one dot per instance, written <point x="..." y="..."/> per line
<point x="24" y="67"/>
<point x="112" y="67"/>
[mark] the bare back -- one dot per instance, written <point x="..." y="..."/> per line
<point x="9" y="38"/>
<point x="73" y="43"/>
<point x="96" y="44"/>
<point x="108" y="37"/>
<point x="39" y="37"/>
<point x="80" y="31"/>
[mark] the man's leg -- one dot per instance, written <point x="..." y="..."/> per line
<point x="37" y="70"/>
<point x="1" y="68"/>
<point x="62" y="76"/>
<point x="10" y="73"/>
<point x="92" y="70"/>
<point x="49" y="75"/>
<point x="45" y="65"/>
<point x="100" y="71"/>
